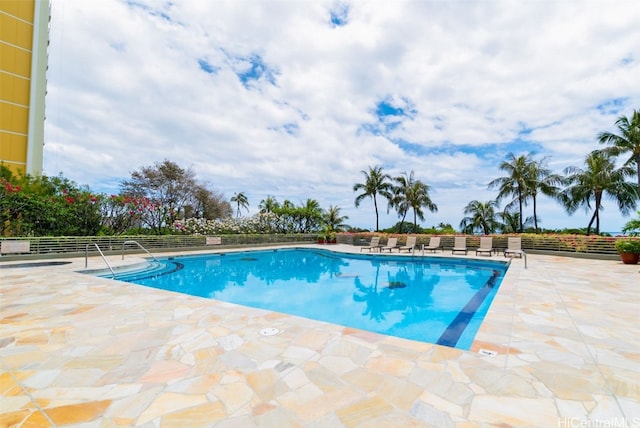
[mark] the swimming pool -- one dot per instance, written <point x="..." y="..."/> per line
<point x="429" y="299"/>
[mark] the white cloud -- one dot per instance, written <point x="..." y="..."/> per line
<point x="126" y="89"/>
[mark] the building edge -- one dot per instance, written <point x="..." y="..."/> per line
<point x="38" y="90"/>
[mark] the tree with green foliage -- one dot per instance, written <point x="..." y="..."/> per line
<point x="599" y="179"/>
<point x="375" y="183"/>
<point x="481" y="216"/>
<point x="443" y="229"/>
<point x="207" y="204"/>
<point x="516" y="183"/>
<point x="268" y="205"/>
<point x="311" y="216"/>
<point x="241" y="201"/>
<point x="121" y="214"/>
<point x="541" y="179"/>
<point x="168" y="187"/>
<point x="626" y="142"/>
<point x="413" y="194"/>
<point x="403" y="227"/>
<point x="332" y="219"/>
<point x="510" y="221"/>
<point x="46" y="206"/>
<point x="632" y="227"/>
<point x="400" y="202"/>
<point x="287" y="216"/>
<point x="401" y="205"/>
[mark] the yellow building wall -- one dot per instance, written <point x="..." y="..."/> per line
<point x="22" y="83"/>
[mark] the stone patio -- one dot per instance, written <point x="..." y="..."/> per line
<point x="83" y="351"/>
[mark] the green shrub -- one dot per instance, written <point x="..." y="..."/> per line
<point x="628" y="246"/>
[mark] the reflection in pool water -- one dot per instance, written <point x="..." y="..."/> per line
<point x="430" y="299"/>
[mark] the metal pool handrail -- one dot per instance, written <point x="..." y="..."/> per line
<point x="86" y="257"/>
<point x="139" y="245"/>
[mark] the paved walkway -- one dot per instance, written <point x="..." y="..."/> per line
<point x="82" y="351"/>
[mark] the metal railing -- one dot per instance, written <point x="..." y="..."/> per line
<point x="139" y="245"/>
<point x="86" y="258"/>
<point x="67" y="245"/>
<point x="532" y="243"/>
<point x="76" y="244"/>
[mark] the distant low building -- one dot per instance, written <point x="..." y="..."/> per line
<point x="24" y="39"/>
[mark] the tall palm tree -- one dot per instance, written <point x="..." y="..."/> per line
<point x="515" y="183"/>
<point x="399" y="200"/>
<point x="541" y="179"/>
<point x="626" y="141"/>
<point x="376" y="183"/>
<point x="600" y="178"/>
<point x="481" y="216"/>
<point x="333" y="220"/>
<point x="241" y="201"/>
<point x="414" y="194"/>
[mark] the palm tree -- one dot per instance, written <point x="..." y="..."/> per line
<point x="627" y="141"/>
<point x="414" y="194"/>
<point x="515" y="183"/>
<point x="541" y="179"/>
<point x="510" y="221"/>
<point x="600" y="178"/>
<point x="399" y="200"/>
<point x="290" y="218"/>
<point x="241" y="200"/>
<point x="268" y="205"/>
<point x="333" y="220"/>
<point x="632" y="227"/>
<point x="481" y="216"/>
<point x="375" y="183"/>
<point x="311" y="215"/>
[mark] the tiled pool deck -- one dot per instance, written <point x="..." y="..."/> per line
<point x="77" y="350"/>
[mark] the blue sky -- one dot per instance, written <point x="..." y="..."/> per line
<point x="292" y="99"/>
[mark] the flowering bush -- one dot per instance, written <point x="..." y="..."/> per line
<point x="121" y="213"/>
<point x="47" y="206"/>
<point x="259" y="223"/>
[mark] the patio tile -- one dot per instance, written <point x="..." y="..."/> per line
<point x="203" y="416"/>
<point x="513" y="411"/>
<point x="77" y="413"/>
<point x="363" y="410"/>
<point x="168" y="403"/>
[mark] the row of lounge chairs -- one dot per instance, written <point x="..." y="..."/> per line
<point x="392" y="244"/>
<point x="514" y="245"/>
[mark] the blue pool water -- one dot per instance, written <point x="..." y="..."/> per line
<point x="429" y="299"/>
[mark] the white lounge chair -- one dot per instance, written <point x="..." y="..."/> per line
<point x="373" y="245"/>
<point x="434" y="244"/>
<point x="459" y="245"/>
<point x="392" y="243"/>
<point x="486" y="245"/>
<point x="410" y="245"/>
<point x="514" y="247"/>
